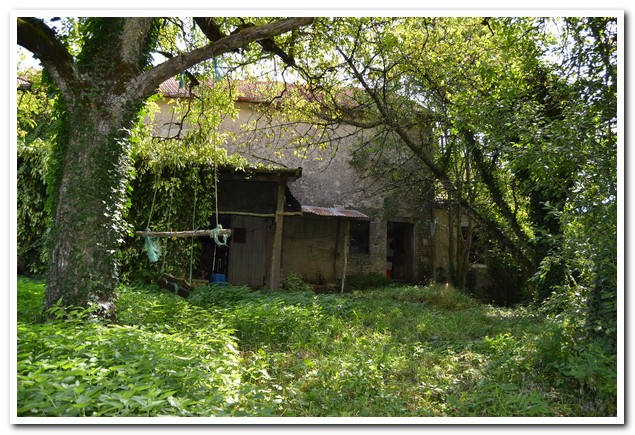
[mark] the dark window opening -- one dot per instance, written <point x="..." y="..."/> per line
<point x="360" y="237"/>
<point x="239" y="235"/>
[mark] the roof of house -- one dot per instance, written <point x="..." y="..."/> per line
<point x="262" y="91"/>
<point x="334" y="212"/>
<point x="259" y="173"/>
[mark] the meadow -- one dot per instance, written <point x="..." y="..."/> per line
<point x="395" y="351"/>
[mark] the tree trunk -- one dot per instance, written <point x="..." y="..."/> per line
<point x="90" y="203"/>
<point x="102" y="89"/>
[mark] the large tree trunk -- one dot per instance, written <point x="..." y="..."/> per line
<point x="90" y="199"/>
<point x="101" y="90"/>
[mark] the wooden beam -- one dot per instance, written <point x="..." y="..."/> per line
<point x="265" y="215"/>
<point x="181" y="234"/>
<point x="276" y="249"/>
<point x="347" y="237"/>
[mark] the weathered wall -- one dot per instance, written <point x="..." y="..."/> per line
<point x="328" y="180"/>
<point x="374" y="261"/>
<point x="312" y="248"/>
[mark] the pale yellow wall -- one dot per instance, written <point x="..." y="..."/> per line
<point x="328" y="180"/>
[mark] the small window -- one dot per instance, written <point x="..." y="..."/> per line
<point x="360" y="237"/>
<point x="239" y="235"/>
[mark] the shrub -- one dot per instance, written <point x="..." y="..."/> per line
<point x="295" y="283"/>
<point x="593" y="372"/>
<point x="30" y="300"/>
<point x="436" y="296"/>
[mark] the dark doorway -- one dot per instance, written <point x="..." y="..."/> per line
<point x="400" y="251"/>
<point x="214" y="258"/>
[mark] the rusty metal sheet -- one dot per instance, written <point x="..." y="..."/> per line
<point x="334" y="212"/>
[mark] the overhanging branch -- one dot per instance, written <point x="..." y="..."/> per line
<point x="34" y="35"/>
<point x="145" y="84"/>
<point x="389" y="118"/>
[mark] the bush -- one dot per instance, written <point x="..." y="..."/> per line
<point x="436" y="296"/>
<point x="295" y="283"/>
<point x="590" y="370"/>
<point x="506" y="280"/>
<point x="30" y="300"/>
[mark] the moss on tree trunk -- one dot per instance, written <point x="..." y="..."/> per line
<point x="90" y="204"/>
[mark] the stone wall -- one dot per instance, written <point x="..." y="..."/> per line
<point x="328" y="180"/>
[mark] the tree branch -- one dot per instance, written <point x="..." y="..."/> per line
<point x="388" y="116"/>
<point x="34" y="35"/>
<point x="145" y="84"/>
<point x="213" y="33"/>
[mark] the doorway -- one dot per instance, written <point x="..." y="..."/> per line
<point x="400" y="251"/>
<point x="214" y="259"/>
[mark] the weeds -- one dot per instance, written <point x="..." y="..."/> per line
<point x="231" y="351"/>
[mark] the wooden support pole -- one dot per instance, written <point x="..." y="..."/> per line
<point x="276" y="249"/>
<point x="347" y="237"/>
<point x="336" y="255"/>
<point x="181" y="234"/>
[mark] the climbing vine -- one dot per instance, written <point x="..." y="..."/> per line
<point x="175" y="175"/>
<point x="35" y="130"/>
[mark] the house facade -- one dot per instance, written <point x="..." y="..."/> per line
<point x="313" y="214"/>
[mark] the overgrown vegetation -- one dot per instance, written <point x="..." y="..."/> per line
<point x="521" y="138"/>
<point x="230" y="351"/>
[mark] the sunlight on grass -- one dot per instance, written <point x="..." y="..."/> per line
<point x="230" y="351"/>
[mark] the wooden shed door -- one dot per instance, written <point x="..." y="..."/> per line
<point x="249" y="250"/>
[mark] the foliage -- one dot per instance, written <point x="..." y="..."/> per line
<point x="102" y="69"/>
<point x="230" y="351"/>
<point x="511" y="120"/>
<point x="35" y="132"/>
<point x="366" y="281"/>
<point x="295" y="283"/>
<point x="469" y="110"/>
<point x="506" y="280"/>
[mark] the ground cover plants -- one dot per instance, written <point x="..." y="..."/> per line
<point x="407" y="351"/>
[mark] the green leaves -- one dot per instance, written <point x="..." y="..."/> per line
<point x="393" y="351"/>
<point x="93" y="369"/>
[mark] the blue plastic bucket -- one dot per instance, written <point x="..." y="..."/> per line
<point x="219" y="278"/>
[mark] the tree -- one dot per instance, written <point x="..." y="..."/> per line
<point x="522" y="143"/>
<point x="590" y="215"/>
<point x="103" y="77"/>
<point x="442" y="76"/>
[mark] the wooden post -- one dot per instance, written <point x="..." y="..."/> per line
<point x="276" y="249"/>
<point x="335" y="248"/>
<point x="347" y="236"/>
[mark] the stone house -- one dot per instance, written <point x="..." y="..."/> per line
<point x="310" y="212"/>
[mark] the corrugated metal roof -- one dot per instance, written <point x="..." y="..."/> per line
<point x="334" y="212"/>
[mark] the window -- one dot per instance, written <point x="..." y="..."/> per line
<point x="360" y="237"/>
<point x="239" y="235"/>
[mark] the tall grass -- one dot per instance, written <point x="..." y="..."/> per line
<point x="229" y="351"/>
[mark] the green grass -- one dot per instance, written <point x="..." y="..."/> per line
<point x="228" y="351"/>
